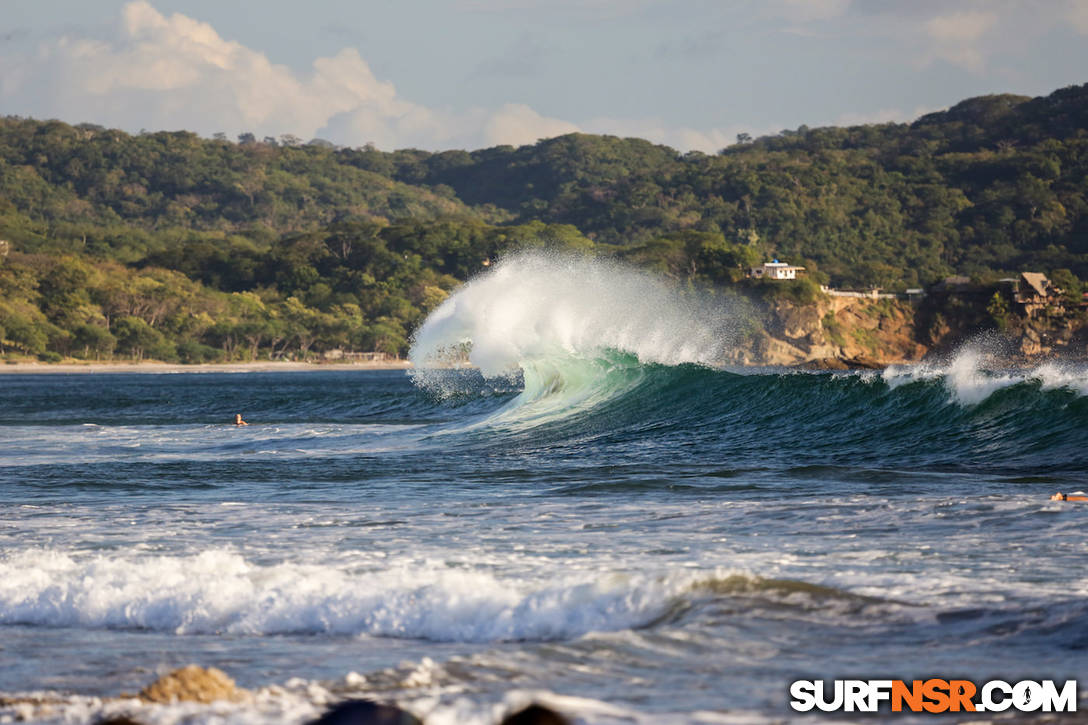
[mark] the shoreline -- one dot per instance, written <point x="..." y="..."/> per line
<point x="832" y="364"/>
<point x="36" y="368"/>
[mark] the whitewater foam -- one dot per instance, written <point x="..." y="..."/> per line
<point x="971" y="378"/>
<point x="533" y="306"/>
<point x="221" y="592"/>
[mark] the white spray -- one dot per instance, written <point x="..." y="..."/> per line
<point x="578" y="330"/>
<point x="971" y="375"/>
<point x="535" y="306"/>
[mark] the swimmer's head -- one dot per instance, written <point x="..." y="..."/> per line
<point x="238" y="419"/>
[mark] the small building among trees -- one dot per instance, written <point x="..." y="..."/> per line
<point x="1035" y="294"/>
<point x="775" y="270"/>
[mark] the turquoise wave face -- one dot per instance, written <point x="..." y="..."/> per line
<point x="1027" y="421"/>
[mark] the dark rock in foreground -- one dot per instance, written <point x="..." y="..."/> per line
<point x="365" y="712"/>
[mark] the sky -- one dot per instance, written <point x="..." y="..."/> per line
<point x="442" y="74"/>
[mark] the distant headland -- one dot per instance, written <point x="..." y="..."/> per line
<point x="171" y="247"/>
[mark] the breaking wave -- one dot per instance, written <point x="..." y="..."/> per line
<point x="574" y="332"/>
<point x="972" y="376"/>
<point x="222" y="592"/>
<point x="595" y="349"/>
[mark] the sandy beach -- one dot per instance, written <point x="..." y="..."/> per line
<point x="160" y="367"/>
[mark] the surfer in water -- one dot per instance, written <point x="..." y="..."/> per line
<point x="1059" y="496"/>
<point x="238" y="419"/>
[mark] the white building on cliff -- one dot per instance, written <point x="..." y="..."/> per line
<point x="775" y="270"/>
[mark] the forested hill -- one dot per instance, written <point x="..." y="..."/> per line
<point x="280" y="247"/>
<point x="994" y="183"/>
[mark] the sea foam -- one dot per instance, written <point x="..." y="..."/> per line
<point x="222" y="592"/>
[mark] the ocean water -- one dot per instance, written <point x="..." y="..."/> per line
<point x="595" y="516"/>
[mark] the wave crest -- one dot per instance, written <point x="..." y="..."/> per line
<point x="535" y="306"/>
<point x="971" y="376"/>
<point x="574" y="331"/>
<point x="218" y="591"/>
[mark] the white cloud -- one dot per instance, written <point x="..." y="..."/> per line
<point x="173" y="72"/>
<point x="418" y="127"/>
<point x="516" y="123"/>
<point x="678" y="137"/>
<point x="956" y="37"/>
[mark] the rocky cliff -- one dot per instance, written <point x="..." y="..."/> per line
<point x="834" y="332"/>
<point x="841" y="332"/>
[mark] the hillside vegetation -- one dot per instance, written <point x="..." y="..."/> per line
<point x="178" y="247"/>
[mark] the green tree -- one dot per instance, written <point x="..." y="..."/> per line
<point x="25" y="329"/>
<point x="998" y="310"/>
<point x="137" y="338"/>
<point x="1071" y="286"/>
<point x="93" y="340"/>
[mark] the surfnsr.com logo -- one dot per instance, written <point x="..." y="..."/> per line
<point x="933" y="695"/>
